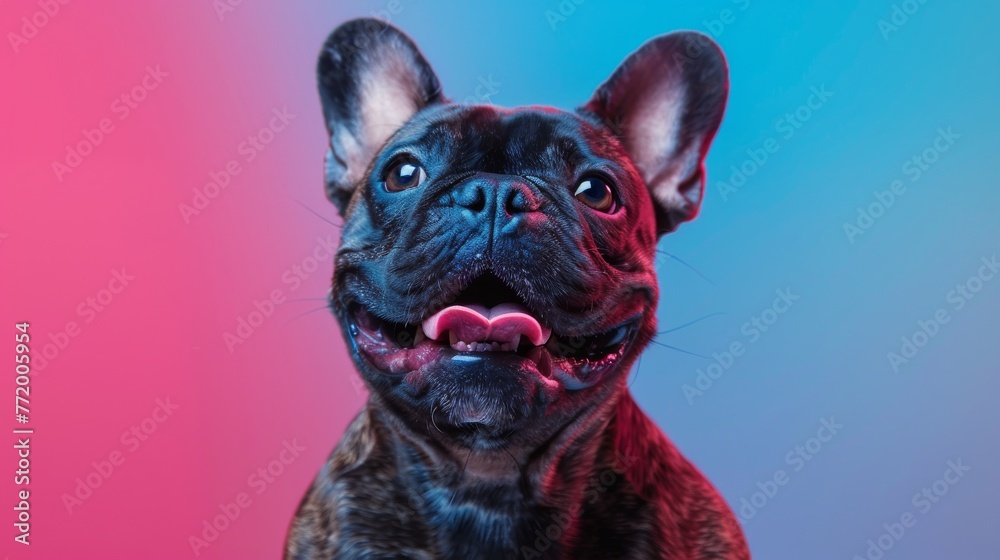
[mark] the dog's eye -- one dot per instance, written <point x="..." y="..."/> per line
<point x="405" y="174"/>
<point x="596" y="193"/>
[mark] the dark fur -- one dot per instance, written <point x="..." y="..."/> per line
<point x="478" y="459"/>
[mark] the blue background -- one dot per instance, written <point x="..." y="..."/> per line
<point x="784" y="229"/>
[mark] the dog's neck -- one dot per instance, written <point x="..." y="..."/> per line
<point x="510" y="489"/>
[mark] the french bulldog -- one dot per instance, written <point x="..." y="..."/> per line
<point x="494" y="283"/>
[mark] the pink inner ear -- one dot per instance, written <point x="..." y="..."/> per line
<point x="372" y="80"/>
<point x="388" y="100"/>
<point x="665" y="102"/>
<point x="653" y="140"/>
<point x="386" y="104"/>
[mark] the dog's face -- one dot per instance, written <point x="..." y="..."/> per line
<point x="495" y="278"/>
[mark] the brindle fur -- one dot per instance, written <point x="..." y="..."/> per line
<point x="383" y="495"/>
<point x="470" y="462"/>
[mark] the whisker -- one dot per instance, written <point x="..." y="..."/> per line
<point x="318" y="215"/>
<point x="522" y="478"/>
<point x="309" y="299"/>
<point x="455" y="493"/>
<point x="678" y="259"/>
<point x="300" y="315"/>
<point x="689" y="323"/>
<point x="638" y="365"/>
<point x="433" y="421"/>
<point x="658" y="343"/>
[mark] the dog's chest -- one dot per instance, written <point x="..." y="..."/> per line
<point x="487" y="522"/>
<point x="472" y="520"/>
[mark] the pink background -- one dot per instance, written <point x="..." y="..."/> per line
<point x="162" y="336"/>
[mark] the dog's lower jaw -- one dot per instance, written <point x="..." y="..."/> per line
<point x="616" y="488"/>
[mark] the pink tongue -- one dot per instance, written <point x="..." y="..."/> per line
<point x="476" y="323"/>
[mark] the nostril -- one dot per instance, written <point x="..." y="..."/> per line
<point x="471" y="197"/>
<point x="520" y="200"/>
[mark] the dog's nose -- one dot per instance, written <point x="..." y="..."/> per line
<point x="505" y="198"/>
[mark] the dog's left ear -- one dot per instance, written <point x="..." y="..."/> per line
<point x="665" y="103"/>
<point x="372" y="79"/>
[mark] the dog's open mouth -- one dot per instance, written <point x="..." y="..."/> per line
<point x="486" y="320"/>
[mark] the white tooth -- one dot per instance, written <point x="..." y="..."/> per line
<point x="419" y="337"/>
<point x="482" y="347"/>
<point x="494" y="346"/>
<point x="514" y="342"/>
<point x="505" y="347"/>
<point x="459" y="345"/>
<point x="452" y="337"/>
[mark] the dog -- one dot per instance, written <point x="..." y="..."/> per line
<point x="494" y="283"/>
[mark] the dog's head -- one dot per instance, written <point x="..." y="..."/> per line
<point x="495" y="278"/>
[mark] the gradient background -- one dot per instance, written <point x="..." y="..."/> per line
<point x="291" y="380"/>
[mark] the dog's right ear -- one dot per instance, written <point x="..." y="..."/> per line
<point x="665" y="103"/>
<point x="372" y="79"/>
